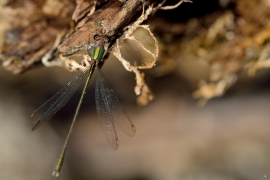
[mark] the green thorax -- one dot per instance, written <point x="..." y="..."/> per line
<point x="98" y="51"/>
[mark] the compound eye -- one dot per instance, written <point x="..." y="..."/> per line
<point x="96" y="36"/>
<point x="111" y="38"/>
<point x="107" y="38"/>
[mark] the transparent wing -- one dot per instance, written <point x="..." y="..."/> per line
<point x="115" y="110"/>
<point x="57" y="101"/>
<point x="104" y="111"/>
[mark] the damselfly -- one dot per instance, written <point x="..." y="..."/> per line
<point x="109" y="109"/>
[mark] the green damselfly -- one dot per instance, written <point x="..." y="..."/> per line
<point x="109" y="109"/>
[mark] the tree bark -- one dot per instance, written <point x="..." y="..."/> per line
<point x="28" y="40"/>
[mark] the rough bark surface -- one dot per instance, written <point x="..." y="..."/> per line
<point x="28" y="40"/>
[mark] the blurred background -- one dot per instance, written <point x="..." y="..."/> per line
<point x="227" y="138"/>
